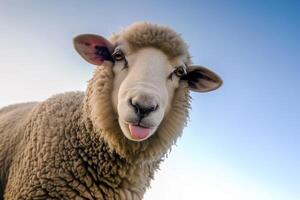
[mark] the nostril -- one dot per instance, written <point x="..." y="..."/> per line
<point x="152" y="108"/>
<point x="134" y="105"/>
<point x="142" y="110"/>
<point x="130" y="102"/>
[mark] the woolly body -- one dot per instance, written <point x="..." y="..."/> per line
<point x="55" y="153"/>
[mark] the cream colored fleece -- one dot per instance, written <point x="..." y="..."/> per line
<point x="71" y="146"/>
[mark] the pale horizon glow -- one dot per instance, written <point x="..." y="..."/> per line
<point x="242" y="141"/>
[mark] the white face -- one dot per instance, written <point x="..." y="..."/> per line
<point x="142" y="91"/>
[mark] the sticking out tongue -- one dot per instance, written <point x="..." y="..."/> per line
<point x="138" y="132"/>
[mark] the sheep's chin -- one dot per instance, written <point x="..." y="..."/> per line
<point x="125" y="129"/>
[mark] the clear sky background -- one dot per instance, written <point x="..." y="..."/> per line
<point x="242" y="141"/>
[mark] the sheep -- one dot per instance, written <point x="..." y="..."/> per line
<point x="107" y="142"/>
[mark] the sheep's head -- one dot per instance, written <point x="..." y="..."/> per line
<point x="150" y="64"/>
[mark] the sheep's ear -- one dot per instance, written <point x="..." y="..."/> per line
<point x="93" y="48"/>
<point x="201" y="79"/>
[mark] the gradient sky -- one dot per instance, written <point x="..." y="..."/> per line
<point x="242" y="141"/>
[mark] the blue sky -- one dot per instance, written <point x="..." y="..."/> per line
<point x="242" y="141"/>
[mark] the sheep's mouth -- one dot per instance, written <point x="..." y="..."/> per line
<point x="139" y="132"/>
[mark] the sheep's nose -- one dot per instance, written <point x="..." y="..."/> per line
<point x="143" y="108"/>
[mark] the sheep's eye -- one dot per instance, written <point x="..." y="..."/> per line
<point x="118" y="55"/>
<point x="180" y="71"/>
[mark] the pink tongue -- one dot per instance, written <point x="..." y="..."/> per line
<point x="138" y="132"/>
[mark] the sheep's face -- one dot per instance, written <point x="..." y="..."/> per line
<point x="144" y="84"/>
<point x="145" y="81"/>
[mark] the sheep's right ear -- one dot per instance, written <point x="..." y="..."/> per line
<point x="93" y="48"/>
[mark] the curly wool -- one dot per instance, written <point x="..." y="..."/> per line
<point x="71" y="146"/>
<point x="59" y="156"/>
<point x="144" y="34"/>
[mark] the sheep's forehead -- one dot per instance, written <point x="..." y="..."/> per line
<point x="142" y="35"/>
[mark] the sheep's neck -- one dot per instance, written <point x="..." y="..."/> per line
<point x="102" y="168"/>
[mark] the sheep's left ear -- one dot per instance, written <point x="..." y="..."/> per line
<point x="201" y="79"/>
<point x="93" y="48"/>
